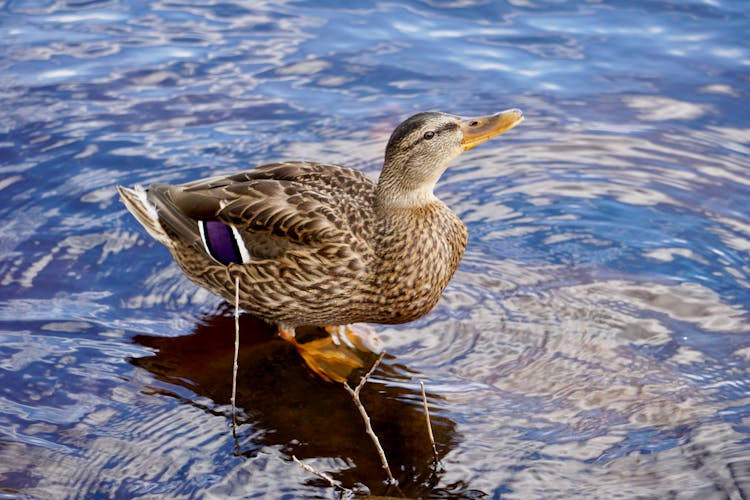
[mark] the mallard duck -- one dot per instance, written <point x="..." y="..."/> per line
<point x="316" y="244"/>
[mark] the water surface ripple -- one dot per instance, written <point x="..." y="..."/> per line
<point x="594" y="342"/>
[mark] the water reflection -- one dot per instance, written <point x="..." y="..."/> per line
<point x="282" y="405"/>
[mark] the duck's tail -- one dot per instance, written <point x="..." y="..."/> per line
<point x="137" y="202"/>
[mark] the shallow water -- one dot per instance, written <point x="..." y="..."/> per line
<point x="594" y="342"/>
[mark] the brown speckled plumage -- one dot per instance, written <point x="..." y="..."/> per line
<point x="323" y="244"/>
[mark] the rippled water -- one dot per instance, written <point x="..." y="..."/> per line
<point x="594" y="342"/>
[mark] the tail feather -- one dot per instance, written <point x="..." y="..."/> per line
<point x="137" y="202"/>
<point x="164" y="221"/>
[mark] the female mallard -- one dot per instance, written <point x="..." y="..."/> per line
<point x="322" y="245"/>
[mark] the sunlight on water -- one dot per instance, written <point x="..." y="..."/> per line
<point x="594" y="342"/>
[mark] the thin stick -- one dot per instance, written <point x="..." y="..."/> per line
<point x="435" y="456"/>
<point x="322" y="475"/>
<point x="354" y="393"/>
<point x="236" y="356"/>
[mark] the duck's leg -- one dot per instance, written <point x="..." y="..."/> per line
<point x="334" y="357"/>
<point x="287" y="333"/>
<point x="361" y="336"/>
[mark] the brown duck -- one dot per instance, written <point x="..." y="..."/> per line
<point x="315" y="244"/>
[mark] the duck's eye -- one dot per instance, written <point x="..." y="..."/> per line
<point x="429" y="135"/>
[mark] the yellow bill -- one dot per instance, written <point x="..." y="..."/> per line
<point x="478" y="130"/>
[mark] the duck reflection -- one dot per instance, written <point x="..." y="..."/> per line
<point x="280" y="403"/>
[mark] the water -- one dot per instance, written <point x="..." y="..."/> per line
<point x="594" y="342"/>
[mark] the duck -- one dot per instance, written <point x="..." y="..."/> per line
<point x="308" y="244"/>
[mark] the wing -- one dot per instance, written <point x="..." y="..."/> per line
<point x="280" y="208"/>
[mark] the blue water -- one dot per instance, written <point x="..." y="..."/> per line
<point x="593" y="343"/>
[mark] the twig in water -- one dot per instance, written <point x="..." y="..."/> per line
<point x="322" y="475"/>
<point x="236" y="357"/>
<point x="354" y="393"/>
<point x="435" y="456"/>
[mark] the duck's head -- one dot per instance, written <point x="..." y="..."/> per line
<point x="421" y="148"/>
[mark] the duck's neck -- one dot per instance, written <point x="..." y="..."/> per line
<point x="390" y="199"/>
<point x="396" y="192"/>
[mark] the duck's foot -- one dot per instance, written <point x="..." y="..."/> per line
<point x="335" y="357"/>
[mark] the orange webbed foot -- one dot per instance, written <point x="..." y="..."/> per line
<point x="335" y="357"/>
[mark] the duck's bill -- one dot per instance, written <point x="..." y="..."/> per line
<point x="478" y="130"/>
